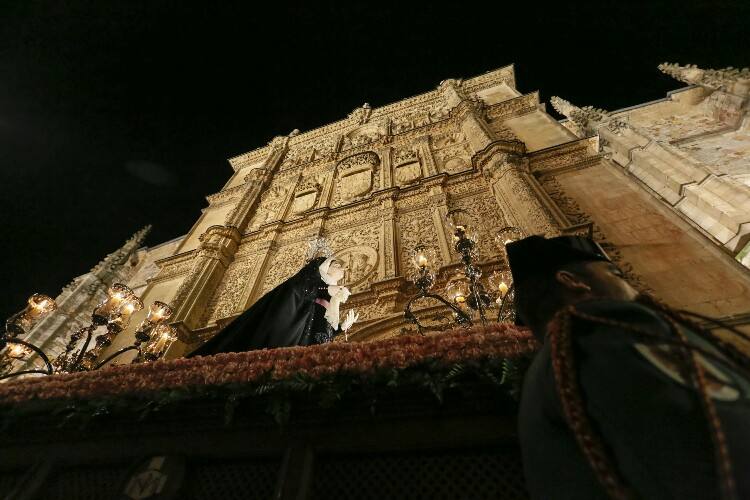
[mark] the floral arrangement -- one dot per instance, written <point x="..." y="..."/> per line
<point x="330" y="369"/>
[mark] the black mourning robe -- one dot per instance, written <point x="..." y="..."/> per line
<point x="653" y="425"/>
<point x="286" y="316"/>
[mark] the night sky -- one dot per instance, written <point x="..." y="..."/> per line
<point x="114" y="115"/>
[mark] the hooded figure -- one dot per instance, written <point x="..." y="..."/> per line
<point x="303" y="310"/>
<point x="626" y="398"/>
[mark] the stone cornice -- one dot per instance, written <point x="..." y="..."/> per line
<point x="172" y="266"/>
<point x="513" y="107"/>
<point x="497" y="147"/>
<point x="566" y="156"/>
<point x="225" y="195"/>
<point x="502" y="75"/>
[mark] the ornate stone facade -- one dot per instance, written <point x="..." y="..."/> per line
<point x="380" y="181"/>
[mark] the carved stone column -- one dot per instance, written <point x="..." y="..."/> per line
<point x="218" y="246"/>
<point x="439" y="205"/>
<point x="429" y="168"/>
<point x="388" y="267"/>
<point x="255" y="182"/>
<point x="451" y="92"/>
<point x="513" y="186"/>
<point x="216" y="251"/>
<point x="386" y="167"/>
<point x="267" y="249"/>
<point x="473" y="127"/>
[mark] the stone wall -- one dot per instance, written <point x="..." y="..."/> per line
<point x="380" y="182"/>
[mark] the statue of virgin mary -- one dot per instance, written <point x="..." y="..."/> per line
<point x="303" y="310"/>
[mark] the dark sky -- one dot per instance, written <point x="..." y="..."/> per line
<point x="114" y="115"/>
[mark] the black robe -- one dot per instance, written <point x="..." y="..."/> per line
<point x="652" y="424"/>
<point x="286" y="316"/>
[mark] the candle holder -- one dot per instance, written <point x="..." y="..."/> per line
<point x="465" y="290"/>
<point x="14" y="349"/>
<point x="114" y="313"/>
<point x="465" y="237"/>
<point x="162" y="337"/>
<point x="158" y="314"/>
<point x="423" y="276"/>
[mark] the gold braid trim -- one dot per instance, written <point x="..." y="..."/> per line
<point x="590" y="440"/>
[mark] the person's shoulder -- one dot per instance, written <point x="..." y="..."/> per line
<point x="619" y="311"/>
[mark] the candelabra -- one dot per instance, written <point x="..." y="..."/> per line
<point x="465" y="288"/>
<point x="152" y="337"/>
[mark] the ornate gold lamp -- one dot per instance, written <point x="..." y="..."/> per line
<point x="465" y="291"/>
<point x="113" y="313"/>
<point x="424" y="259"/>
<point x="465" y="236"/>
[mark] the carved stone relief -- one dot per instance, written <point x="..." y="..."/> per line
<point x="270" y="206"/>
<point x="359" y="249"/>
<point x="284" y="263"/>
<point x="451" y="151"/>
<point x="307" y="195"/>
<point x="362" y="135"/>
<point x="484" y="207"/>
<point x="355" y="177"/>
<point x="407" y="168"/>
<point x="227" y="296"/>
<point x="415" y="228"/>
<point x="360" y="261"/>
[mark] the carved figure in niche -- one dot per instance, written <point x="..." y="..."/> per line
<point x="405" y="155"/>
<point x="272" y="201"/>
<point x="360" y="262"/>
<point x="440" y="113"/>
<point x="362" y="114"/>
<point x="303" y="310"/>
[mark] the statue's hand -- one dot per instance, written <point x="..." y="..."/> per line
<point x="351" y="318"/>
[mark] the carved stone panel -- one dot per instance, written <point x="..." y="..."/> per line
<point x="228" y="293"/>
<point x="407" y="167"/>
<point x="306" y="196"/>
<point x="408" y="173"/>
<point x="365" y="134"/>
<point x="270" y="208"/>
<point x="359" y="249"/>
<point x="483" y="206"/>
<point x="415" y="228"/>
<point x="283" y="264"/>
<point x="451" y="151"/>
<point x="355" y="177"/>
<point x="360" y="261"/>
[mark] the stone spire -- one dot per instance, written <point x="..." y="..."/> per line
<point x="586" y="118"/>
<point x="715" y="79"/>
<point x="109" y="266"/>
<point x="78" y="299"/>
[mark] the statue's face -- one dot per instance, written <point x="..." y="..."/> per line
<point x="336" y="270"/>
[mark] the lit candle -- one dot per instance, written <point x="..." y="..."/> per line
<point x="162" y="341"/>
<point x="39" y="305"/>
<point x="503" y="287"/>
<point x="460" y="298"/>
<point x="422" y="260"/>
<point x="126" y="312"/>
<point x="16" y="351"/>
<point x="158" y="312"/>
